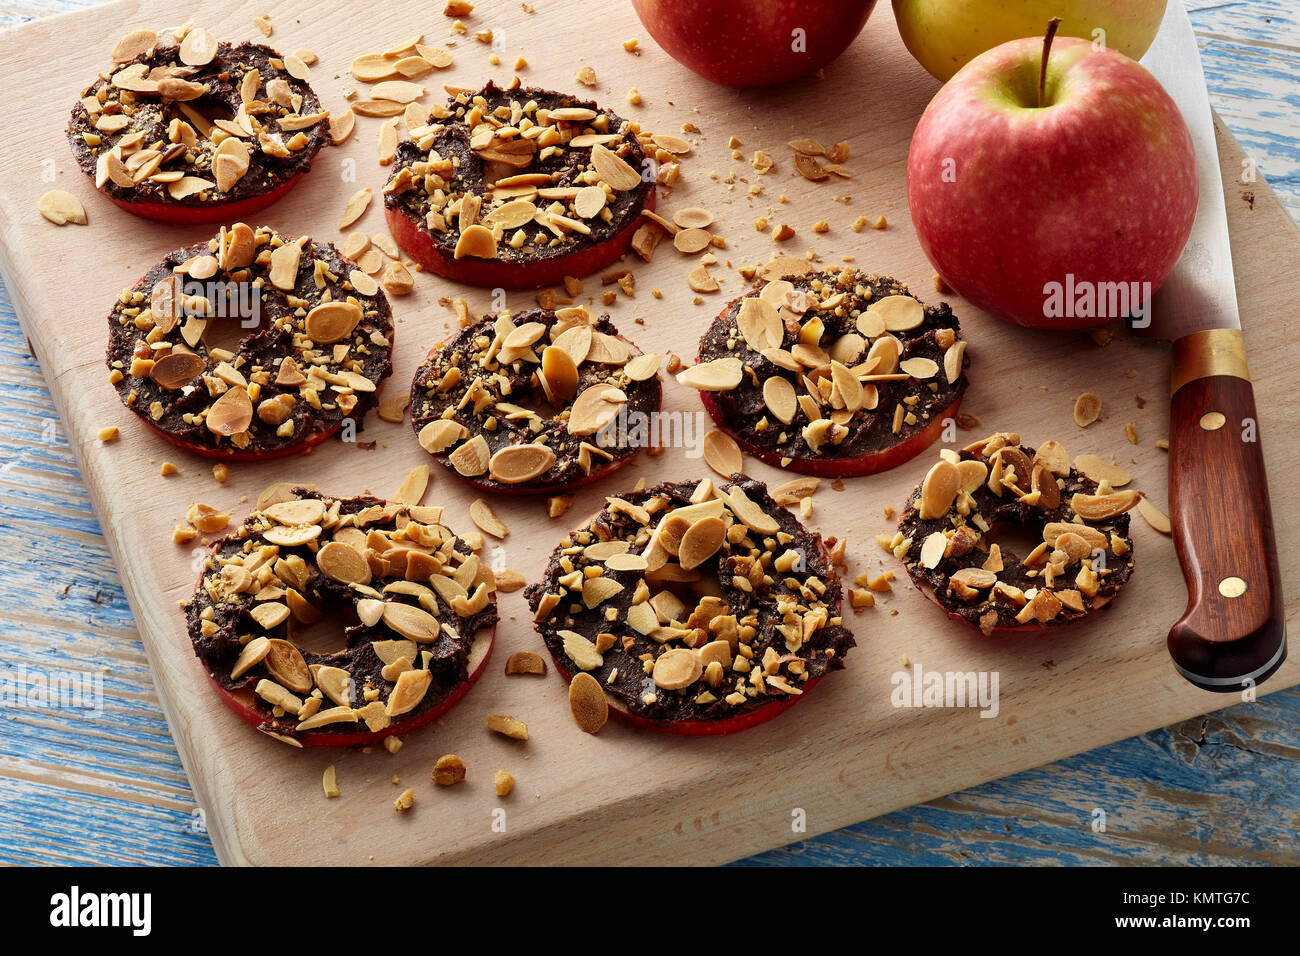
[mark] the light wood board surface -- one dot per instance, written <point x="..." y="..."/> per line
<point x="842" y="755"/>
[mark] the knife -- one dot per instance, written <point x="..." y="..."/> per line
<point x="1233" y="632"/>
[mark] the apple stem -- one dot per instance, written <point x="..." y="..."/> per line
<point x="1052" y="24"/>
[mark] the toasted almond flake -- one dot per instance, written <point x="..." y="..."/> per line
<point x="677" y="668"/>
<point x="719" y="375"/>
<point x="1154" y="516"/>
<point x="198" y="48"/>
<point x="780" y="399"/>
<point x="595" y="408"/>
<point x="61" y="208"/>
<point x="701" y="541"/>
<point x="284" y="266"/>
<point x="177" y="369"/>
<point x="693" y="217"/>
<point x="581" y="651"/>
<point x="642" y="368"/>
<point x="471" y="458"/>
<point x="589" y="201"/>
<point x="407" y="693"/>
<point x="285" y="663"/>
<point x="938" y="490"/>
<point x="900" y="313"/>
<point x="439" y="434"/>
<point x="230" y="414"/>
<point x="516" y="464"/>
<point x="480" y="512"/>
<point x="476" y="241"/>
<point x="1103" y="507"/>
<point x="366" y="285"/>
<point x="525" y="662"/>
<point x="614" y="170"/>
<point x="691" y="241"/>
<point x="341" y="125"/>
<point x="372" y="68"/>
<point x="919" y="367"/>
<point x="760" y="323"/>
<point x="587" y="703"/>
<point x="331" y="322"/>
<point x="952" y="361"/>
<point x="339" y="562"/>
<point x="413" y="486"/>
<point x="932" y="549"/>
<point x="750" y="514"/>
<point x="296" y="511"/>
<point x="250" y="655"/>
<point x="1099" y="470"/>
<point x="188" y="186"/>
<point x="722" y="454"/>
<point x="1087" y="409"/>
<point x="411" y="622"/>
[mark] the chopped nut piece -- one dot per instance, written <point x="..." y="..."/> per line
<point x="503" y="783"/>
<point x="449" y="770"/>
<point x="507" y="726"/>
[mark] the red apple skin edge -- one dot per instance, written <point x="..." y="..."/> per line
<point x="840" y="467"/>
<point x="241" y="702"/>
<point x="746" y="43"/>
<point x="1034" y="629"/>
<point x="1101" y="184"/>
<point x="179" y="215"/>
<point x="498" y="274"/>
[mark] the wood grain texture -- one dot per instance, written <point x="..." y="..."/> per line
<point x="1223" y="531"/>
<point x="48" y="482"/>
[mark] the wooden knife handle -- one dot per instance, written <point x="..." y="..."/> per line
<point x="1233" y="632"/>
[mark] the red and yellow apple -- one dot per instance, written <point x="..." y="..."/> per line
<point x="945" y="35"/>
<point x="1024" y="198"/>
<point x="746" y="43"/>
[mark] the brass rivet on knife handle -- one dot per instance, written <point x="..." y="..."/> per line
<point x="1209" y="353"/>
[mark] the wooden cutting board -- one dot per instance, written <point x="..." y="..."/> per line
<point x="844" y="754"/>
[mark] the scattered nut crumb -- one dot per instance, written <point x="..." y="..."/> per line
<point x="108" y="433"/>
<point x="392" y="743"/>
<point x="507" y="726"/>
<point x="221" y="472"/>
<point x="449" y="769"/>
<point x="168" y="469"/>
<point x="404" y="801"/>
<point x="329" y="782"/>
<point x="503" y="783"/>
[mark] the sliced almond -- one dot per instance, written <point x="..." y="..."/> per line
<point x="481" y="513"/>
<point x="1154" y="516"/>
<point x="61" y="208"/>
<point x="1087" y="409"/>
<point x="439" y="434"/>
<point x="558" y="374"/>
<point x="285" y="663"/>
<point x="952" y="361"/>
<point x="719" y="375"/>
<point x="581" y="651"/>
<point x="250" y="655"/>
<point x="613" y="170"/>
<point x="900" y="313"/>
<point x="413" y="623"/>
<point x="938" y="490"/>
<point x="919" y="367"/>
<point x="230" y="414"/>
<point x="409" y="690"/>
<point x="476" y="242"/>
<point x="722" y="454"/>
<point x="516" y="464"/>
<point x="332" y="321"/>
<point x="177" y="369"/>
<point x="750" y="514"/>
<point x="677" y="668"/>
<point x="134" y="44"/>
<point x="413" y="486"/>
<point x="780" y="399"/>
<point x="933" y="548"/>
<point x="760" y="324"/>
<point x="1103" y="507"/>
<point x="595" y="408"/>
<point x="1052" y="456"/>
<point x="701" y="541"/>
<point x="643" y="367"/>
<point x="356" y="207"/>
<point x="198" y="48"/>
<point x="691" y="241"/>
<point x="1099" y="470"/>
<point x="471" y="458"/>
<point x="587" y="703"/>
<point x="340" y="563"/>
<point x="589" y="201"/>
<point x="284" y="266"/>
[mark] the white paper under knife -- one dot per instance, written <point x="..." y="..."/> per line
<point x="1201" y="292"/>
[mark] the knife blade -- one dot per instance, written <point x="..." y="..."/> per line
<point x="1232" y="635"/>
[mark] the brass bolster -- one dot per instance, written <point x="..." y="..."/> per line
<point x="1203" y="354"/>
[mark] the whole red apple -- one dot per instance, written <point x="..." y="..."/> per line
<point x="753" y="42"/>
<point x="1064" y="213"/>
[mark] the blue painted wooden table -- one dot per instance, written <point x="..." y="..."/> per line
<point x="102" y="783"/>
